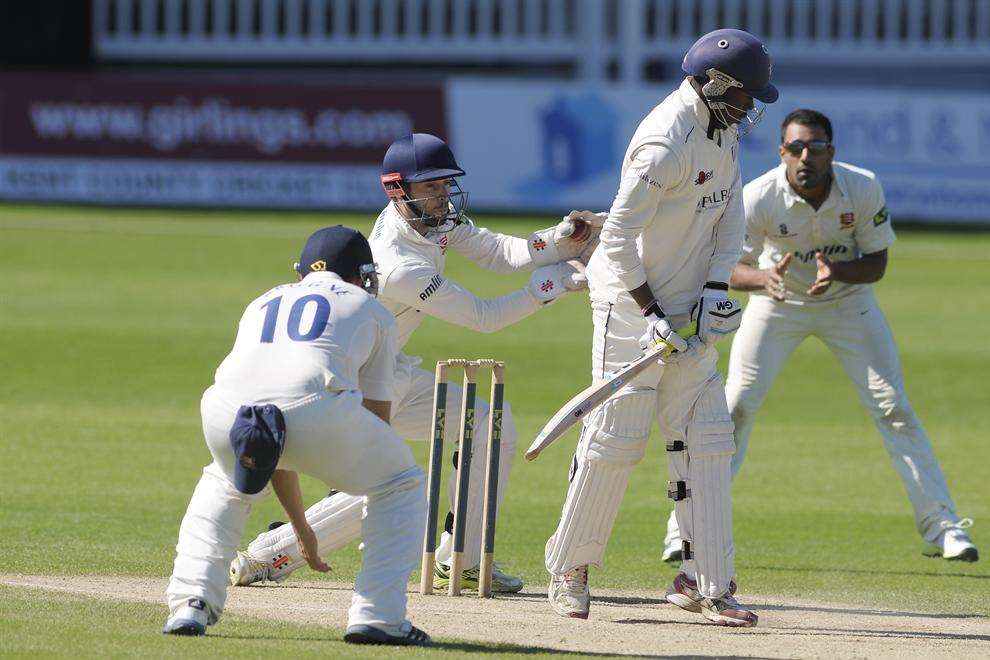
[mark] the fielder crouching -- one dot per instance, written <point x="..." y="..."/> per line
<point x="305" y="389"/>
<point x="673" y="234"/>
<point x="423" y="219"/>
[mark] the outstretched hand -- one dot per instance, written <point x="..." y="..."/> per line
<point x="773" y="281"/>
<point x="308" y="548"/>
<point x="823" y="279"/>
<point x="581" y="225"/>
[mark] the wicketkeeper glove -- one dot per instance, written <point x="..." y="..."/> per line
<point x="717" y="315"/>
<point x="574" y="237"/>
<point x="547" y="283"/>
<point x="659" y="330"/>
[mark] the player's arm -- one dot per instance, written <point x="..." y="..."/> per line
<point x="730" y="236"/>
<point x="654" y="169"/>
<point x="873" y="234"/>
<point x="377" y="374"/>
<point x="421" y="287"/>
<point x="746" y="274"/>
<point x="502" y="253"/>
<point x="285" y="483"/>
<point x="380" y="409"/>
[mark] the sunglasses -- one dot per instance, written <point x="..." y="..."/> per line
<point x="814" y="147"/>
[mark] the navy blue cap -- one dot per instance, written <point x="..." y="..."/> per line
<point x="419" y="157"/>
<point x="257" y="438"/>
<point x="338" y="249"/>
<point x="736" y="53"/>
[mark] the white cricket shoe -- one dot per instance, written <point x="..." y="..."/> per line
<point x="246" y="570"/>
<point x="953" y="543"/>
<point x="188" y="620"/>
<point x="724" y="611"/>
<point x="569" y="594"/>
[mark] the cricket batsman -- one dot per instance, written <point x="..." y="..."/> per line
<point x="817" y="233"/>
<point x="672" y="237"/>
<point x="306" y="388"/>
<point x="423" y="219"/>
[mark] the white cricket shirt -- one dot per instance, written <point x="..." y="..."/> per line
<point x="677" y="220"/>
<point x="318" y="334"/>
<point x="852" y="221"/>
<point x="412" y="284"/>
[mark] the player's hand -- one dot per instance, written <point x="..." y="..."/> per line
<point x="547" y="283"/>
<point x="580" y="226"/>
<point x="716" y="313"/>
<point x="308" y="548"/>
<point x="658" y="330"/>
<point x="823" y="279"/>
<point x="773" y="277"/>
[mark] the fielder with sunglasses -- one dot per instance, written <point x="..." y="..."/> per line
<point x="817" y="233"/>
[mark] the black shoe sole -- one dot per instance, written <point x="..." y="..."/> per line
<point x="969" y="555"/>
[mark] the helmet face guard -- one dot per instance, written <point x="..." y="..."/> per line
<point x="395" y="188"/>
<point x="714" y="92"/>
<point x="369" y="278"/>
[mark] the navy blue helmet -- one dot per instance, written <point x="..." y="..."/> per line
<point x="731" y="58"/>
<point x="341" y="250"/>
<point x="417" y="158"/>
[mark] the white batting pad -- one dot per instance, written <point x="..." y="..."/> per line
<point x="701" y="478"/>
<point x="612" y="441"/>
<point x="336" y="520"/>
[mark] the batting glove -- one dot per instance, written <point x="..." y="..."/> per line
<point x="717" y="315"/>
<point x="659" y="330"/>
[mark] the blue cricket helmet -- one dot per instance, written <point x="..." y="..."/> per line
<point x="737" y="54"/>
<point x="341" y="250"/>
<point x="420" y="157"/>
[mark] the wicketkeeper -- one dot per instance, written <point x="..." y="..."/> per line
<point x="423" y="219"/>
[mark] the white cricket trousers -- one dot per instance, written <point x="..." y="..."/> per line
<point x="335" y="519"/>
<point x="856" y="331"/>
<point x="331" y="437"/>
<point x="687" y="398"/>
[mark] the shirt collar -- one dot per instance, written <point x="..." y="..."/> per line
<point x="836" y="191"/>
<point x="318" y="275"/>
<point x="403" y="227"/>
<point x="702" y="115"/>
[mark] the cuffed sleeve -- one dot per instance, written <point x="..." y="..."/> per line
<point x="873" y="229"/>
<point x="500" y="253"/>
<point x="423" y="288"/>
<point x="730" y="232"/>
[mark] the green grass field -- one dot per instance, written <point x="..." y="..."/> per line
<point x="112" y="322"/>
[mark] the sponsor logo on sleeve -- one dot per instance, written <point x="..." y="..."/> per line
<point x="650" y="180"/>
<point x="846" y="220"/>
<point x="434" y="284"/>
<point x="882" y="216"/>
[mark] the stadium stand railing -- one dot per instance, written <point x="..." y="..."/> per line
<point x="591" y="37"/>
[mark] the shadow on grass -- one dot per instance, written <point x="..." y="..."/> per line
<point x="882" y="634"/>
<point x="458" y="646"/>
<point x="865" y="612"/>
<point x="863" y="571"/>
